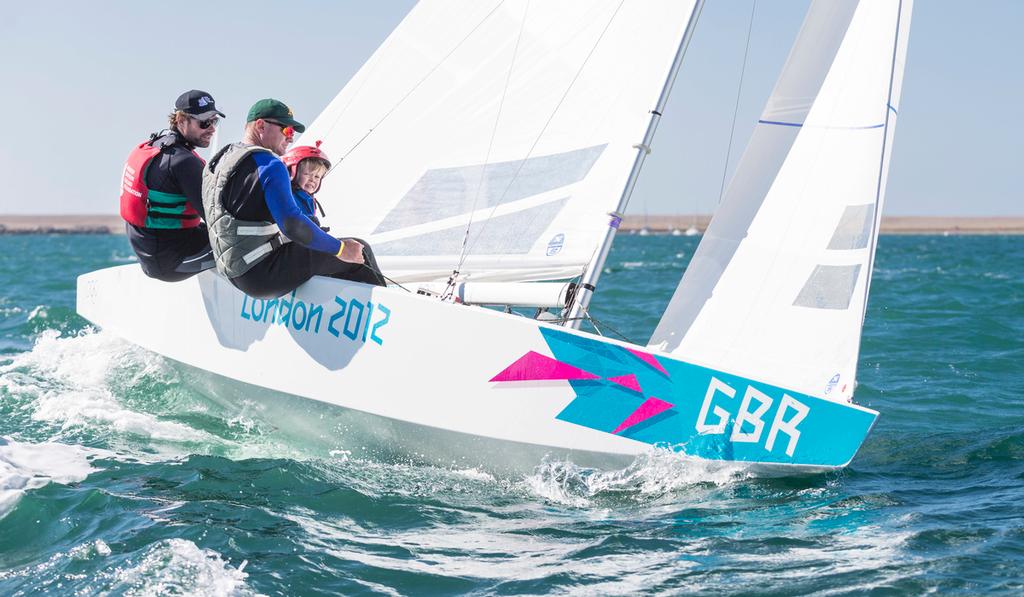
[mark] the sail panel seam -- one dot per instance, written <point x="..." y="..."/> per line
<point x="822" y="126"/>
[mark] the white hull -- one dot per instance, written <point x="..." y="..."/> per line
<point x="422" y="366"/>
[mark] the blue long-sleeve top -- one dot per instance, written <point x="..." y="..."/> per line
<point x="306" y="203"/>
<point x="261" y="190"/>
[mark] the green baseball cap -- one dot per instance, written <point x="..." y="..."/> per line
<point x="274" y="110"/>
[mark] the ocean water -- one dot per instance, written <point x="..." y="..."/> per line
<point x="122" y="473"/>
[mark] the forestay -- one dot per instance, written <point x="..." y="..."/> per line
<point x="778" y="286"/>
<point x="513" y="119"/>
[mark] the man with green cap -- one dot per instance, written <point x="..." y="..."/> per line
<point x="262" y="240"/>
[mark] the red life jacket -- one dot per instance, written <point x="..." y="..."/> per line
<point x="147" y="208"/>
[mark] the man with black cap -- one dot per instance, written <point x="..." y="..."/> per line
<point x="161" y="192"/>
<point x="262" y="240"/>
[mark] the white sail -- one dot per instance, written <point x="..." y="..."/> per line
<point x="518" y="117"/>
<point x="777" y="288"/>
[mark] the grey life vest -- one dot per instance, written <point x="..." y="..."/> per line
<point x="237" y="244"/>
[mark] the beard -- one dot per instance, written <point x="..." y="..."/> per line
<point x="201" y="140"/>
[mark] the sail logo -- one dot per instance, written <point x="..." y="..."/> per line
<point x="832" y="383"/>
<point x="204" y="101"/>
<point x="749" y="423"/>
<point x="555" y="244"/>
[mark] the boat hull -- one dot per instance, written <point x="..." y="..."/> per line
<point x="500" y="385"/>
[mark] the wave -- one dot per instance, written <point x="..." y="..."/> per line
<point x="92" y="387"/>
<point x="179" y="566"/>
<point x="651" y="475"/>
<point x="24" y="467"/>
<point x="119" y="257"/>
<point x="167" y="567"/>
<point x="78" y="383"/>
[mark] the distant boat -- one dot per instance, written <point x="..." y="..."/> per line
<point x="692" y="231"/>
<point x="501" y="135"/>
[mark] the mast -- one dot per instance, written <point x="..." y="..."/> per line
<point x="587" y="284"/>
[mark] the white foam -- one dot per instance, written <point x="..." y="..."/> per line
<point x="180" y="567"/>
<point x="169" y="567"/>
<point x="84" y="359"/>
<point x="9" y="311"/>
<point x="651" y="474"/>
<point x="70" y="379"/>
<point x="24" y="467"/>
<point x="475" y="474"/>
<point x="90" y="409"/>
<point x="87" y="551"/>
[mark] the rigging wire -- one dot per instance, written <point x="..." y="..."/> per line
<point x="385" y="278"/>
<point x="594" y="322"/>
<point x="467" y="247"/>
<point x="540" y="134"/>
<point x="412" y="89"/>
<point x="487" y="160"/>
<point x="736" y="107"/>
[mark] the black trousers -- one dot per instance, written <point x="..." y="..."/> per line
<point x="171" y="255"/>
<point x="292" y="264"/>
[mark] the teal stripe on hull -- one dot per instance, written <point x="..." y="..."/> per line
<point x="705" y="407"/>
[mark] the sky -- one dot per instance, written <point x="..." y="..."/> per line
<point x="85" y="81"/>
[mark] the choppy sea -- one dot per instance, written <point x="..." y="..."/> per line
<point x="121" y="474"/>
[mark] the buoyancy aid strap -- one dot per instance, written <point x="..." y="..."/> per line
<point x="257" y="230"/>
<point x="159" y="201"/>
<point x="253" y="256"/>
<point x="268" y="247"/>
<point x="168" y="210"/>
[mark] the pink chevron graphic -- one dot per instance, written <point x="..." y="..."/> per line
<point x="627" y="381"/>
<point x="650" y="359"/>
<point x="652" y="406"/>
<point x="535" y="366"/>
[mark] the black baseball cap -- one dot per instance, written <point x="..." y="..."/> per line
<point x="275" y="110"/>
<point x="198" y="104"/>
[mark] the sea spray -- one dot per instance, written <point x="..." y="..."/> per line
<point x="25" y="466"/>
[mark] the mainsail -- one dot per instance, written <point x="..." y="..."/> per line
<point x="496" y="136"/>
<point x="777" y="289"/>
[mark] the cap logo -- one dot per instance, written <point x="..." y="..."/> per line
<point x="204" y="101"/>
<point x="290" y="115"/>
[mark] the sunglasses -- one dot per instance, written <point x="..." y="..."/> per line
<point x="205" y="124"/>
<point x="286" y="129"/>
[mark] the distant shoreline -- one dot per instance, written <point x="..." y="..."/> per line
<point x="112" y="224"/>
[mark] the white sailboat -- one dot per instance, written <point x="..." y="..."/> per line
<point x="489" y="150"/>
